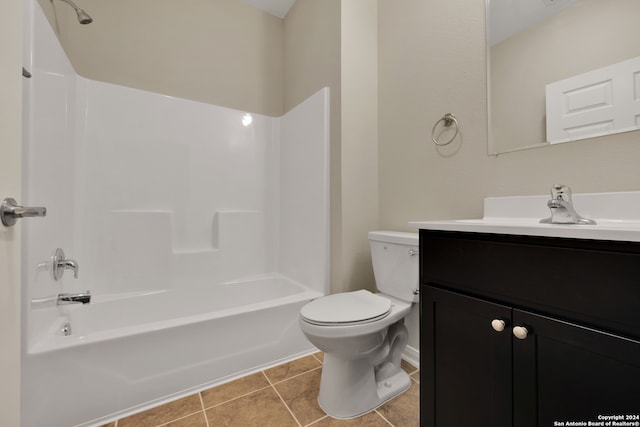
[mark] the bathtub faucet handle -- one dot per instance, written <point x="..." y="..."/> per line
<point x="59" y="264"/>
<point x="69" y="264"/>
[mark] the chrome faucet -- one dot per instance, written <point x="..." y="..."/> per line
<point x="81" y="298"/>
<point x="59" y="264"/>
<point x="561" y="206"/>
<point x="69" y="264"/>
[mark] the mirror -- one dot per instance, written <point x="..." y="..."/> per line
<point x="558" y="69"/>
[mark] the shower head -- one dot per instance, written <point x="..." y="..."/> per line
<point x="83" y="17"/>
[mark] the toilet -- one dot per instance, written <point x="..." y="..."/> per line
<point x="362" y="334"/>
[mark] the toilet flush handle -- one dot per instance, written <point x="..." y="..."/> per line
<point x="413" y="252"/>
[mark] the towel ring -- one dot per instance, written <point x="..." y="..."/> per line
<point x="448" y="119"/>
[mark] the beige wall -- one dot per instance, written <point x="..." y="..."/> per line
<point x="221" y="52"/>
<point x="432" y="61"/>
<point x="359" y="171"/>
<point x="590" y="35"/>
<point x="334" y="43"/>
<point x="311" y="62"/>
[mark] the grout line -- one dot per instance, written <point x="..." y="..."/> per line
<point x="318" y="359"/>
<point x="204" y="411"/>
<point x="268" y="380"/>
<point x="290" y="378"/>
<point x="236" y="398"/>
<point x="285" y="404"/>
<point x="295" y="376"/>
<point x="271" y="384"/>
<point x="317" y="421"/>
<point x="181" y="418"/>
<point x="258" y="389"/>
<point x="383" y="417"/>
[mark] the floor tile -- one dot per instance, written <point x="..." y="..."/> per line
<point x="408" y="367"/>
<point x="403" y="410"/>
<point x="163" y="414"/>
<point x="301" y="396"/>
<point x="293" y="368"/>
<point x="237" y="388"/>
<point x="252" y="401"/>
<point x="261" y="408"/>
<point x="372" y="419"/>
<point x="195" y="420"/>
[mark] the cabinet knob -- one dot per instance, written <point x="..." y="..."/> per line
<point x="520" y="332"/>
<point x="498" y="325"/>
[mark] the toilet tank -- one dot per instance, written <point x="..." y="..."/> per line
<point x="396" y="263"/>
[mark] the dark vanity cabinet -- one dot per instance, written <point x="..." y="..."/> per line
<point x="528" y="331"/>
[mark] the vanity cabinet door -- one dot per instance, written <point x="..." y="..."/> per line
<point x="465" y="363"/>
<point x="564" y="372"/>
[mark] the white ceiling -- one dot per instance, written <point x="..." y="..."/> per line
<point x="278" y="8"/>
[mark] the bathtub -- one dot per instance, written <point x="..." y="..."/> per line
<point x="123" y="353"/>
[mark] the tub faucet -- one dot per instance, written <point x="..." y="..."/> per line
<point x="561" y="206"/>
<point x="69" y="264"/>
<point x="59" y="263"/>
<point x="80" y="298"/>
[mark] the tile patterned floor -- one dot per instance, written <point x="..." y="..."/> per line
<point x="281" y="396"/>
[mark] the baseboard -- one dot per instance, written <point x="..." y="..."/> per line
<point x="412" y="356"/>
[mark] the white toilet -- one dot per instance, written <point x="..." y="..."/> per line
<point x="362" y="334"/>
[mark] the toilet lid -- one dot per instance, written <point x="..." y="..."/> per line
<point x="346" y="307"/>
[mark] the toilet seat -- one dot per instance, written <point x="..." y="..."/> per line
<point x="346" y="308"/>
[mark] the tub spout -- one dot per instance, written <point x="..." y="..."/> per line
<point x="81" y="298"/>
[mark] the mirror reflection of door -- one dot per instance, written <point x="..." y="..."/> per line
<point x="534" y="43"/>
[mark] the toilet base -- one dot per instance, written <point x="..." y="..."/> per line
<point x="348" y="388"/>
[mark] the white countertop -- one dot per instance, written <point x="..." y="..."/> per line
<point x="604" y="230"/>
<point x="617" y="216"/>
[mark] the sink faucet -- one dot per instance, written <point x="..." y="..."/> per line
<point x="561" y="206"/>
<point x="81" y="298"/>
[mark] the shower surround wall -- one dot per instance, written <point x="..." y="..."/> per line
<point x="165" y="204"/>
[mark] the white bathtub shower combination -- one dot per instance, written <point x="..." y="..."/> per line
<point x="199" y="230"/>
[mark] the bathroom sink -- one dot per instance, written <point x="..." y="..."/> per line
<point x="617" y="216"/>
